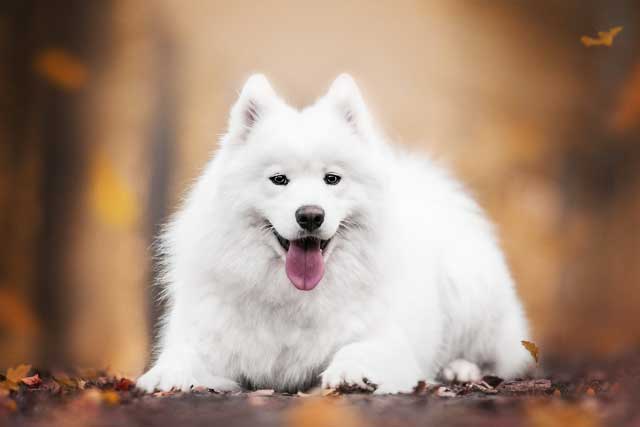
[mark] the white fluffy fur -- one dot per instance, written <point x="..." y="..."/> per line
<point x="415" y="284"/>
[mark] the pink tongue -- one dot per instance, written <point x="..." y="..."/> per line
<point x="304" y="264"/>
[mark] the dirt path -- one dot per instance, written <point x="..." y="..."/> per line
<point x="594" y="397"/>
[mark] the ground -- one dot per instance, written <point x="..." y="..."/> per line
<point x="598" y="395"/>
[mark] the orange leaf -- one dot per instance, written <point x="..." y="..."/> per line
<point x="605" y="38"/>
<point x="33" y="381"/>
<point x="18" y="373"/>
<point x="532" y="348"/>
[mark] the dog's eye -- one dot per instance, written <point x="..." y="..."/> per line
<point x="332" y="179"/>
<point x="279" y="179"/>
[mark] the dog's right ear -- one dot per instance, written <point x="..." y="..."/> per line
<point x="256" y="99"/>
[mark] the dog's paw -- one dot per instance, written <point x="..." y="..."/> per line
<point x="165" y="379"/>
<point x="462" y="371"/>
<point x="348" y="375"/>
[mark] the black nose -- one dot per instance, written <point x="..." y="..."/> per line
<point x="310" y="217"/>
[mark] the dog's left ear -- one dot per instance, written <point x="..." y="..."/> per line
<point x="256" y="99"/>
<point x="344" y="95"/>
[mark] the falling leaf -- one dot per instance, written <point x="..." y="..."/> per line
<point x="33" y="381"/>
<point x="61" y="68"/>
<point x="532" y="348"/>
<point x="111" y="197"/>
<point x="605" y="38"/>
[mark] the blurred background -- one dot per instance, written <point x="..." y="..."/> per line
<point x="108" y="110"/>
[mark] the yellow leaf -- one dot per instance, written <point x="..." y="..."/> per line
<point x="112" y="200"/>
<point x="605" y="38"/>
<point x="64" y="379"/>
<point x="16" y="374"/>
<point x="532" y="348"/>
<point x="61" y="68"/>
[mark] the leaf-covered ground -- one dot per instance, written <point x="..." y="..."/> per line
<point x="603" y="396"/>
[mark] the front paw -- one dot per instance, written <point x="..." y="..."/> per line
<point x="348" y="375"/>
<point x="463" y="371"/>
<point x="165" y="378"/>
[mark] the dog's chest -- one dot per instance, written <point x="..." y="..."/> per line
<point x="284" y="352"/>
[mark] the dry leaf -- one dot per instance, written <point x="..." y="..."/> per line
<point x="61" y="68"/>
<point x="33" y="381"/>
<point x="532" y="348"/>
<point x="18" y="373"/>
<point x="124" y="384"/>
<point x="65" y="380"/>
<point x="590" y="392"/>
<point x="605" y="38"/>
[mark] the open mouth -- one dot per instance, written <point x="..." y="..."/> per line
<point x="305" y="241"/>
<point x="304" y="263"/>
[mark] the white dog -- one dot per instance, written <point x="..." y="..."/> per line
<point x="310" y="251"/>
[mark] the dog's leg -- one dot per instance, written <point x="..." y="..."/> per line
<point x="384" y="364"/>
<point x="182" y="371"/>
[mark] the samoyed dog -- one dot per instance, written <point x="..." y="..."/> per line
<point x="311" y="252"/>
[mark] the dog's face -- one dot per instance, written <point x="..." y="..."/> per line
<point x="308" y="177"/>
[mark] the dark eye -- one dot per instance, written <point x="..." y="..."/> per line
<point x="332" y="179"/>
<point x="279" y="179"/>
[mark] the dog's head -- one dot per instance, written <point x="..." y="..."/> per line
<point x="306" y="178"/>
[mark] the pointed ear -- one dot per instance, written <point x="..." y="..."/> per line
<point x="344" y="95"/>
<point x="256" y="99"/>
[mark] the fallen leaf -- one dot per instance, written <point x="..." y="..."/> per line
<point x="532" y="348"/>
<point x="124" y="384"/>
<point x="590" y="392"/>
<point x="605" y="38"/>
<point x="61" y="68"/>
<point x="33" y="381"/>
<point x="65" y="380"/>
<point x="18" y="373"/>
